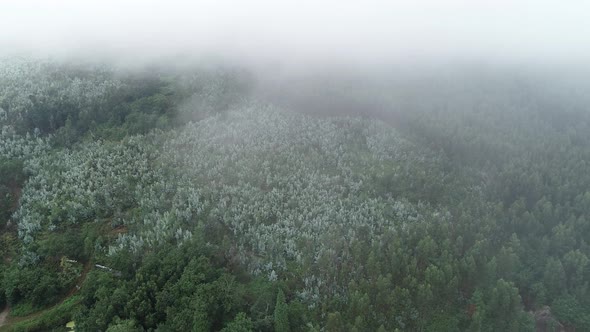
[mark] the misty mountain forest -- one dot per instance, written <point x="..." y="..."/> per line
<point x="216" y="198"/>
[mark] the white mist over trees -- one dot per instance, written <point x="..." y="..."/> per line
<point x="295" y="32"/>
<point x="294" y="166"/>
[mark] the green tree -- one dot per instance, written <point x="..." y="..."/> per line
<point x="127" y="325"/>
<point x="281" y="313"/>
<point x="241" y="323"/>
<point x="335" y="322"/>
<point x="554" y="277"/>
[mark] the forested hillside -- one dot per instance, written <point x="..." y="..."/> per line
<point x="202" y="199"/>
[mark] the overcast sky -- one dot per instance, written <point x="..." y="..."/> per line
<point x="301" y="30"/>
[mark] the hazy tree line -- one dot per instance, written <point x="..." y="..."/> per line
<point x="443" y="203"/>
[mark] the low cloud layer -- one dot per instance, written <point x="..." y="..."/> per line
<point x="358" y="32"/>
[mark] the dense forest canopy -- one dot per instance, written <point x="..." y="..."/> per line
<point x="218" y="198"/>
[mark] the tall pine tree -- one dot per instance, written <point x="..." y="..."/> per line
<point x="281" y="314"/>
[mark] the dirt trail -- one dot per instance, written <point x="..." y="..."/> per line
<point x="81" y="279"/>
<point x="3" y="316"/>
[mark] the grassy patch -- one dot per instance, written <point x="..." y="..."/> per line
<point x="23" y="309"/>
<point x="46" y="320"/>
